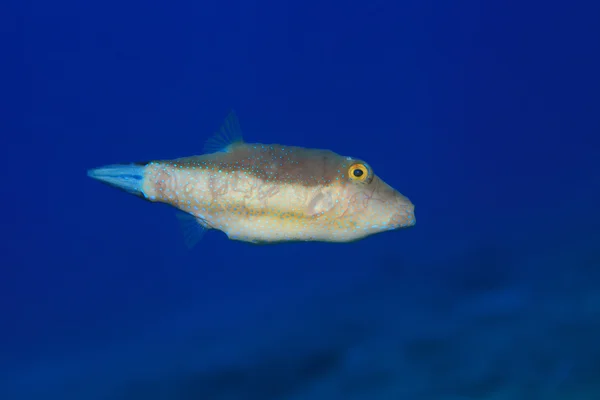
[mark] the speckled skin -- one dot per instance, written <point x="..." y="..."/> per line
<point x="272" y="193"/>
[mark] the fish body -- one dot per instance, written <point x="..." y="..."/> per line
<point x="267" y="193"/>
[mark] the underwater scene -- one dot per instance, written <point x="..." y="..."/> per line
<point x="251" y="200"/>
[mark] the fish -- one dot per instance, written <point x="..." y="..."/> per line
<point x="266" y="193"/>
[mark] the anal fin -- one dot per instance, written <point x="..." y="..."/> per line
<point x="193" y="228"/>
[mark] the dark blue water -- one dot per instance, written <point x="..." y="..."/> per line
<point x="484" y="114"/>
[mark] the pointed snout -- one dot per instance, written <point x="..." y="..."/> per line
<point x="404" y="216"/>
<point x="400" y="209"/>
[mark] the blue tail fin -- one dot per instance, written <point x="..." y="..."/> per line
<point x="127" y="177"/>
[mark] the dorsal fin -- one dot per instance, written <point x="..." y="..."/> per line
<point x="227" y="137"/>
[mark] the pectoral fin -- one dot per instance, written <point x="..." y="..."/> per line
<point x="321" y="203"/>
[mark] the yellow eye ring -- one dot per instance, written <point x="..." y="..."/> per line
<point x="358" y="172"/>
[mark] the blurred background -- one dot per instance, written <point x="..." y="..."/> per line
<point x="484" y="114"/>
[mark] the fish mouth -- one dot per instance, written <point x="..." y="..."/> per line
<point x="401" y="209"/>
<point x="404" y="217"/>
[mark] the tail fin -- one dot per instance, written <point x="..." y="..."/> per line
<point x="127" y="177"/>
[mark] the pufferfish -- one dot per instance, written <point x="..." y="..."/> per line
<point x="266" y="193"/>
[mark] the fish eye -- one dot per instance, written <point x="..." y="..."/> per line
<point x="358" y="172"/>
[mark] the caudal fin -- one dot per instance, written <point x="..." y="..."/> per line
<point x="127" y="177"/>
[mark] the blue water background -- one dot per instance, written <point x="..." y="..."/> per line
<point x="485" y="114"/>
